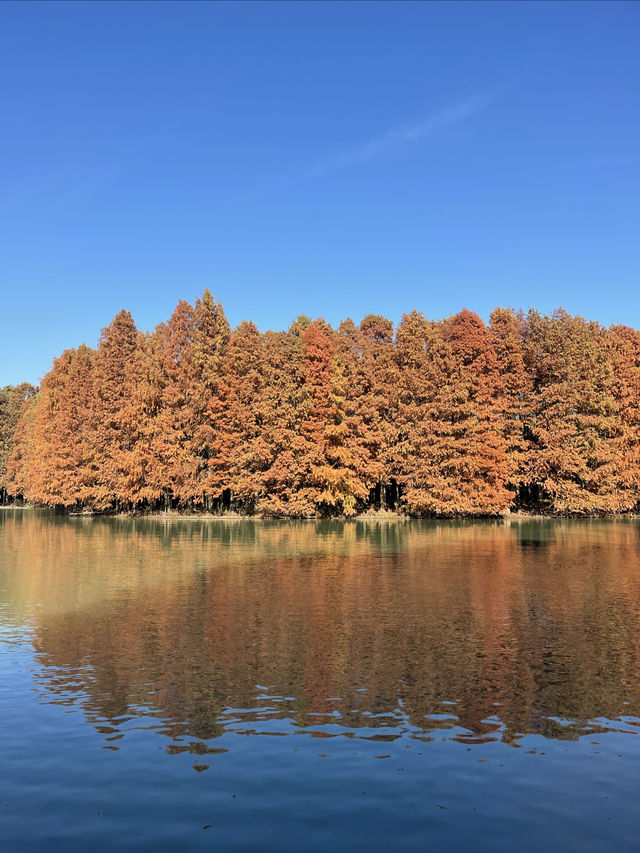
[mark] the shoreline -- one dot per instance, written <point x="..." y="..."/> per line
<point x="387" y="516"/>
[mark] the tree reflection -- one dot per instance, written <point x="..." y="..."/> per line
<point x="198" y="628"/>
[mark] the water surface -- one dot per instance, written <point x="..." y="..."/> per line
<point x="256" y="686"/>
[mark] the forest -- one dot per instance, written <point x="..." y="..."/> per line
<point x="435" y="418"/>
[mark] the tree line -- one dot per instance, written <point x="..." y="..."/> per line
<point x="445" y="418"/>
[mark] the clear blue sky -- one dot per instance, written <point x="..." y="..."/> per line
<point x="332" y="159"/>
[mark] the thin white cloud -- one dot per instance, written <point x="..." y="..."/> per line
<point x="403" y="135"/>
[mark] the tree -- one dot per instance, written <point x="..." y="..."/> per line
<point x="70" y="437"/>
<point x="451" y="452"/>
<point x="48" y="465"/>
<point x="408" y="453"/>
<point x="170" y="426"/>
<point x="239" y="450"/>
<point x="623" y="345"/>
<point x="477" y="416"/>
<point x="115" y="479"/>
<point x="575" y="460"/>
<point x="285" y="402"/>
<point x="211" y="334"/>
<point x="340" y="464"/>
<point x="12" y="401"/>
<point x="178" y="369"/>
<point x="148" y="465"/>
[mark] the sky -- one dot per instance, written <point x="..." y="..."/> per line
<point x="333" y="159"/>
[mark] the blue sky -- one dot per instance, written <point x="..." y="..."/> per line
<point x="329" y="159"/>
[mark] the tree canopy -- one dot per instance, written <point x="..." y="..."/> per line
<point x="449" y="418"/>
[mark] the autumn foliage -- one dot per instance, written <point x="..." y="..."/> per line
<point x="436" y="418"/>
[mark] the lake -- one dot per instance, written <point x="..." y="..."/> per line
<point x="317" y="686"/>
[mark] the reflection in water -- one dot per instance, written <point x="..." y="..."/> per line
<point x="372" y="630"/>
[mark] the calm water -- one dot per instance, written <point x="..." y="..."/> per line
<point x="319" y="686"/>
